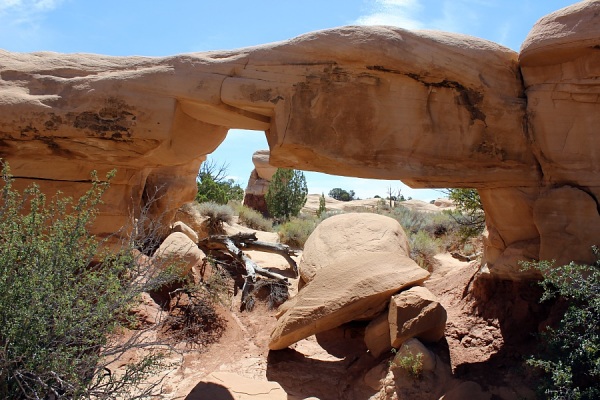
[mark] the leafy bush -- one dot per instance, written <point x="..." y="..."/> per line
<point x="287" y="193"/>
<point x="570" y="357"/>
<point x="217" y="215"/>
<point x="254" y="220"/>
<point x="296" y="231"/>
<point x="471" y="217"/>
<point x="341" y="194"/>
<point x="214" y="187"/>
<point x="63" y="297"/>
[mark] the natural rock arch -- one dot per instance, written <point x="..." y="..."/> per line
<point x="433" y="109"/>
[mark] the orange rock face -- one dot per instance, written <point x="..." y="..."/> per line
<point x="431" y="108"/>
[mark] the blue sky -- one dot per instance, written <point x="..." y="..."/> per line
<point x="160" y="27"/>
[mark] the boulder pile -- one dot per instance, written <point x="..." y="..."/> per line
<point x="356" y="267"/>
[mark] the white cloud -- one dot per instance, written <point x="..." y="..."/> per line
<point x="402" y="13"/>
<point x="462" y="16"/>
<point x="23" y="22"/>
<point x="26" y="10"/>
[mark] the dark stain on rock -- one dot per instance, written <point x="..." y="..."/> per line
<point x="5" y="148"/>
<point x="468" y="98"/>
<point x="29" y="131"/>
<point x="54" y="123"/>
<point x="384" y="69"/>
<point x="257" y="94"/>
<point x="113" y="121"/>
<point x="56" y="149"/>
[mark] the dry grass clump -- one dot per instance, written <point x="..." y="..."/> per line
<point x="296" y="231"/>
<point x="217" y="215"/>
<point x="253" y="219"/>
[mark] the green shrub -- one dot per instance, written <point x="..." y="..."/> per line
<point x="341" y="194"/>
<point x="254" y="220"/>
<point x="423" y="248"/>
<point x="217" y="215"/>
<point x="412" y="364"/>
<point x="63" y="297"/>
<point x="213" y="185"/>
<point x="322" y="207"/>
<point x="411" y="221"/>
<point x="296" y="231"/>
<point x="570" y="356"/>
<point x="287" y="193"/>
<point x="470" y="216"/>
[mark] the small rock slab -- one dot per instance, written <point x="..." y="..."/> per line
<point x="416" y="313"/>
<point x="346" y="290"/>
<point x="230" y="386"/>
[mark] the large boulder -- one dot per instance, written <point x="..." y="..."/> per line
<point x="350" y="236"/>
<point x="346" y="290"/>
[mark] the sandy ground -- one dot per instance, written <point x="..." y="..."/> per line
<point x="331" y="204"/>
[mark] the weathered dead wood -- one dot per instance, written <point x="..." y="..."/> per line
<point x="232" y="245"/>
<point x="249" y="241"/>
<point x="464" y="258"/>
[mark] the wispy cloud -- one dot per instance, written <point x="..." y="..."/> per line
<point x="22" y="20"/>
<point x="28" y="6"/>
<point x="401" y="13"/>
<point x="462" y="16"/>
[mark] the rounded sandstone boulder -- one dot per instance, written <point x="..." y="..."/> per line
<point x="348" y="236"/>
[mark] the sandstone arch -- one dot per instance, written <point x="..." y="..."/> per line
<point x="434" y="109"/>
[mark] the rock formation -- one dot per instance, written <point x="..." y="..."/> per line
<point x="434" y="109"/>
<point x="328" y="301"/>
<point x="258" y="184"/>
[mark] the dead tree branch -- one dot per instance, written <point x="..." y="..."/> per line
<point x="232" y="245"/>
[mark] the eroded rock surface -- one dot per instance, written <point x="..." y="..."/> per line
<point x="434" y="109"/>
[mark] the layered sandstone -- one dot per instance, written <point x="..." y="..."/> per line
<point x="434" y="109"/>
<point x="258" y="183"/>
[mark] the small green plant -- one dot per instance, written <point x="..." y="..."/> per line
<point x="570" y="354"/>
<point x="254" y="220"/>
<point x="296" y="231"/>
<point x="217" y="215"/>
<point x="287" y="193"/>
<point x="411" y="363"/>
